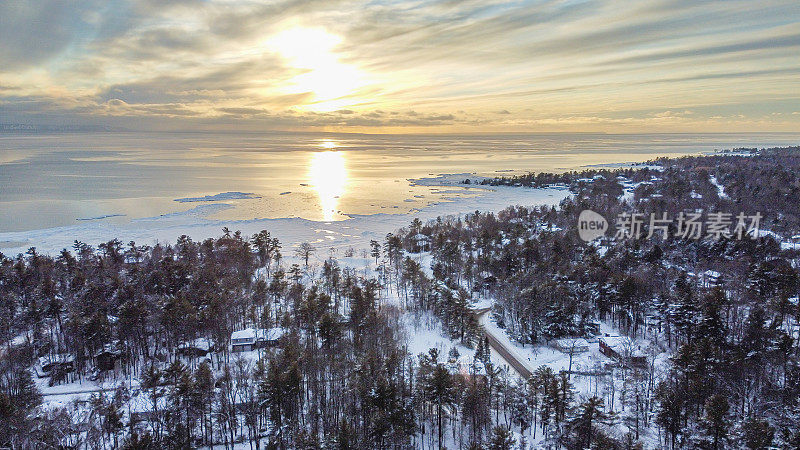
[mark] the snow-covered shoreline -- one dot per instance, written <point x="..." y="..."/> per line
<point x="355" y="232"/>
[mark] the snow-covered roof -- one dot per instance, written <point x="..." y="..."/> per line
<point x="113" y="348"/>
<point x="258" y="333"/>
<point x="570" y="342"/>
<point x="273" y="333"/>
<point x="199" y="343"/>
<point x="247" y="333"/>
<point x="53" y="359"/>
<point x="622" y="343"/>
<point x="142" y="403"/>
<point x="616" y="341"/>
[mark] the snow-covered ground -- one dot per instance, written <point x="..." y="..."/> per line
<point x="720" y="188"/>
<point x="423" y="331"/>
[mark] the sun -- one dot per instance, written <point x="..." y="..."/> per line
<point x="312" y="51"/>
<point x="328" y="144"/>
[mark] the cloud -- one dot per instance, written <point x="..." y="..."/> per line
<point x="488" y="64"/>
<point x="33" y="32"/>
<point x="199" y="82"/>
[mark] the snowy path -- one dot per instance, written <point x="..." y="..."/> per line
<point x="496" y="344"/>
<point x="77" y="391"/>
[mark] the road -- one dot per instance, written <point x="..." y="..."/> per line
<point x="501" y="349"/>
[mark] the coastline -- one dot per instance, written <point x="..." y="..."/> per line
<point x="356" y="231"/>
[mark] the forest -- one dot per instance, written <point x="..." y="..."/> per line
<point x="716" y="319"/>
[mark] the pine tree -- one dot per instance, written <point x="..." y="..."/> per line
<point x="440" y="389"/>
<point x="757" y="433"/>
<point x="375" y="250"/>
<point x="670" y="414"/>
<point x="590" y="413"/>
<point x="501" y="439"/>
<point x="715" y="420"/>
<point x="684" y="309"/>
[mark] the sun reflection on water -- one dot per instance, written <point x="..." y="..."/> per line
<point x="328" y="176"/>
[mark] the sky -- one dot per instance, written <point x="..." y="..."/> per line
<point x="400" y="66"/>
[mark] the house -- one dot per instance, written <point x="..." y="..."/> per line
<point x="709" y="279"/>
<point x="51" y="364"/>
<point x="195" y="349"/>
<point x="142" y="407"/>
<point x="270" y="337"/>
<point x="611" y="345"/>
<point x="243" y="340"/>
<point x="108" y="359"/>
<point x="622" y="349"/>
<point x="252" y="338"/>
<point x="574" y="345"/>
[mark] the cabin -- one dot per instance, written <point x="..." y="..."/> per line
<point x="243" y="340"/>
<point x="622" y="349"/>
<point x="270" y="337"/>
<point x="62" y="363"/>
<point x="709" y="279"/>
<point x="195" y="349"/>
<point x="487" y="280"/>
<point x="253" y="338"/>
<point x="143" y="409"/>
<point x="108" y="359"/>
<point x="573" y="345"/>
<point x="611" y="346"/>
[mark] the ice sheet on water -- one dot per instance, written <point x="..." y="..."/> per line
<point x="219" y="197"/>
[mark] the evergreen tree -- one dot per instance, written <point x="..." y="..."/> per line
<point x="757" y="433"/>
<point x="715" y="420"/>
<point x="501" y="439"/>
<point x="590" y="413"/>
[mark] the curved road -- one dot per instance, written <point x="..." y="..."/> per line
<point x="501" y="349"/>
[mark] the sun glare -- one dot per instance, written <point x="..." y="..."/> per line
<point x="312" y="51"/>
<point x="328" y="176"/>
<point x="328" y="144"/>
